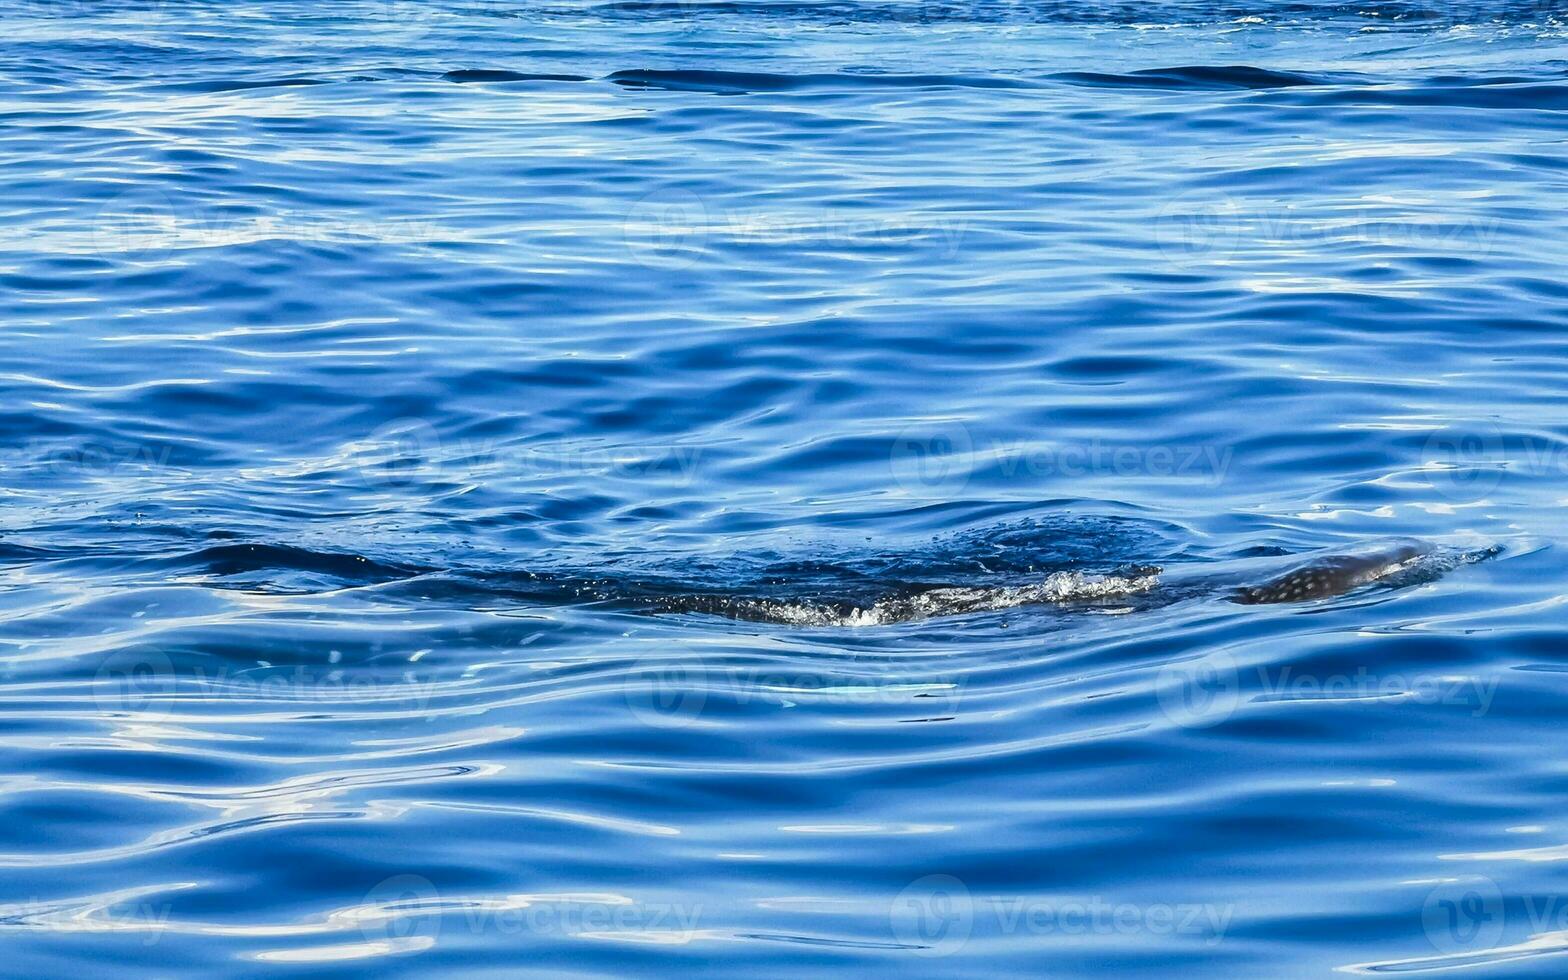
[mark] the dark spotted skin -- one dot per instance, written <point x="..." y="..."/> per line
<point x="1329" y="576"/>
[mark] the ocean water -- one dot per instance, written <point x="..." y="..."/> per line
<point x="770" y="488"/>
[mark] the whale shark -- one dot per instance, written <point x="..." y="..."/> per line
<point x="1326" y="576"/>
<point x="1068" y="563"/>
<point x="1314" y="577"/>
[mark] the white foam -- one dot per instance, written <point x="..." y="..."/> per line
<point x="1058" y="587"/>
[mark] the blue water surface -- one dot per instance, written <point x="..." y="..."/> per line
<point x="753" y="487"/>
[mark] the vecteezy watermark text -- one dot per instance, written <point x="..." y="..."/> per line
<point x="945" y="455"/>
<point x="673" y="693"/>
<point x="145" y="683"/>
<point x="1201" y="228"/>
<point x="936" y="915"/>
<point x="408" y="907"/>
<point x="1206" y="691"/>
<point x="676" y="228"/>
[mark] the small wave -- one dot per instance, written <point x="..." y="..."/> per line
<point x="274" y="567"/>
<point x="242" y="84"/>
<point x="21" y="554"/>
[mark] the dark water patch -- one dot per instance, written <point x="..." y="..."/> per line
<point x="20" y="554"/>
<point x="734" y="82"/>
<point x="241" y="84"/>
<point x="283" y="567"/>
<point x="1197" y="77"/>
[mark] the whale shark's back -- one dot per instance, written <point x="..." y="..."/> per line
<point x="1332" y="575"/>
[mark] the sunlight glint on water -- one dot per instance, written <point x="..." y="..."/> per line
<point x="912" y="487"/>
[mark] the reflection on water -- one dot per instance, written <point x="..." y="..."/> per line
<point x="775" y="487"/>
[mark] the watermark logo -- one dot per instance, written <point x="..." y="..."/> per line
<point x="144" y="685"/>
<point x="410" y="451"/>
<point x="1465" y="915"/>
<point x="140" y="224"/>
<point x="401" y="21"/>
<point x="1199" y="228"/>
<point x="667" y="229"/>
<point x="400" y="453"/>
<point x="1204" y="692"/>
<point x="1465" y="462"/>
<point x="1185" y="461"/>
<point x="937" y="456"/>
<point x="118" y="913"/>
<point x="1192" y="229"/>
<point x="1465" y="918"/>
<point x="402" y="911"/>
<point x="934" y="914"/>
<point x="1199" y="693"/>
<point x="937" y="915"/>
<point x="674" y="228"/>
<point x="91" y="460"/>
<point x="666" y="693"/>
<point x="139" y="682"/>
